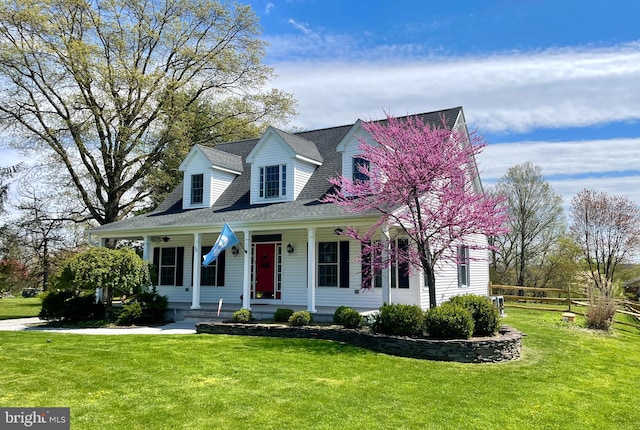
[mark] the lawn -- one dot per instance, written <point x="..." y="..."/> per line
<point x="568" y="378"/>
<point x="19" y="307"/>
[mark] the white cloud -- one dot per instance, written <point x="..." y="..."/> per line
<point x="268" y="8"/>
<point x="504" y="92"/>
<point x="304" y="28"/>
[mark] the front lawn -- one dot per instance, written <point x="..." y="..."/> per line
<point x="19" y="307"/>
<point x="568" y="378"/>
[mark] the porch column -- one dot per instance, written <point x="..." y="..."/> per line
<point x="311" y="269"/>
<point x="197" y="261"/>
<point x="246" y="283"/>
<point x="386" y="272"/>
<point x="146" y="249"/>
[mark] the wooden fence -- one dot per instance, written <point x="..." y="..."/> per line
<point x="513" y="295"/>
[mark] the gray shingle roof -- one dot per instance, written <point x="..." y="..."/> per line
<point x="234" y="203"/>
<point x="222" y="159"/>
<point x="300" y="145"/>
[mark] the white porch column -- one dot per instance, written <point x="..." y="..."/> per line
<point x="146" y="249"/>
<point x="311" y="269"/>
<point x="197" y="261"/>
<point x="386" y="272"/>
<point x="246" y="283"/>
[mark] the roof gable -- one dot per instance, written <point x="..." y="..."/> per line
<point x="220" y="160"/>
<point x="297" y="146"/>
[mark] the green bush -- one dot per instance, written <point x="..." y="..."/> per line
<point x="486" y="317"/>
<point x="146" y="308"/>
<point x="300" y="318"/>
<point x="351" y="318"/>
<point x="449" y="321"/>
<point x="68" y="306"/>
<point x="338" y="314"/>
<point x="242" y="316"/>
<point x="282" y="314"/>
<point x="399" y="320"/>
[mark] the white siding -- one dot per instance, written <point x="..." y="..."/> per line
<point x="351" y="150"/>
<point x="198" y="165"/>
<point x="302" y="173"/>
<point x="219" y="182"/>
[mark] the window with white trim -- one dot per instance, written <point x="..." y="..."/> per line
<point x="197" y="188"/>
<point x="333" y="264"/>
<point x="357" y="175"/>
<point x="464" y="278"/>
<point x="273" y="181"/>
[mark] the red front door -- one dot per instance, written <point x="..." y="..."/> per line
<point x="265" y="270"/>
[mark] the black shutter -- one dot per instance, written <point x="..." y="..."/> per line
<point x="220" y="272"/>
<point x="344" y="264"/>
<point x="403" y="268"/>
<point x="155" y="276"/>
<point x="179" y="266"/>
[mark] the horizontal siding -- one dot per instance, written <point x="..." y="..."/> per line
<point x="198" y="165"/>
<point x="302" y="173"/>
<point x="218" y="184"/>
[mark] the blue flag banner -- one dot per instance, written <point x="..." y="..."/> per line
<point x="226" y="239"/>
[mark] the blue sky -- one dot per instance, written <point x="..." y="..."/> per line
<point x="556" y="83"/>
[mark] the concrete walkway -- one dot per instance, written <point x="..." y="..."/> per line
<point x="31" y="324"/>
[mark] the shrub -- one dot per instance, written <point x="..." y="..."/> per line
<point x="351" y="318"/>
<point x="68" y="306"/>
<point x="146" y="308"/>
<point x="282" y="314"/>
<point x="338" y="314"/>
<point x="486" y="318"/>
<point x="449" y="321"/>
<point x="242" y="316"/>
<point x="399" y="320"/>
<point x="300" y="318"/>
<point x="600" y="313"/>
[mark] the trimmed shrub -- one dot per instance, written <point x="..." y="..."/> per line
<point x="146" y="308"/>
<point x="486" y="317"/>
<point x="67" y="306"/>
<point x="351" y="318"/>
<point x="242" y="316"/>
<point x="300" y="318"/>
<point x="338" y="314"/>
<point x="282" y="315"/>
<point x="399" y="320"/>
<point x="449" y="321"/>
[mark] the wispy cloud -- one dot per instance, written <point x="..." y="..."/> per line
<point x="304" y="28"/>
<point x="268" y="8"/>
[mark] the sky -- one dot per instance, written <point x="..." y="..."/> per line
<point x="553" y="82"/>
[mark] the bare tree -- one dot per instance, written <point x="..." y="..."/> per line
<point x="536" y="222"/>
<point x="607" y="228"/>
<point x="99" y="87"/>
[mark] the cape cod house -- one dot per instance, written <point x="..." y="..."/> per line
<point x="269" y="190"/>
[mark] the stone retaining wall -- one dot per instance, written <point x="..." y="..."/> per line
<point x="505" y="346"/>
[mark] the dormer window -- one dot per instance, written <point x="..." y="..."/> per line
<point x="273" y="181"/>
<point x="357" y="175"/>
<point x="197" y="189"/>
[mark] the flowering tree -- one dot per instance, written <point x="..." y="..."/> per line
<point x="607" y="228"/>
<point x="422" y="180"/>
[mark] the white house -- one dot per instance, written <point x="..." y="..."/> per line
<point x="270" y="190"/>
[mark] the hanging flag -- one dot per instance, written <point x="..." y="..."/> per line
<point x="226" y="239"/>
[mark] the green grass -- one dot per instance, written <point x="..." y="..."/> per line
<point x="568" y="378"/>
<point x="19" y="307"/>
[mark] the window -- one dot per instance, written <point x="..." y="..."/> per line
<point x="197" y="188"/>
<point x="357" y="175"/>
<point x="169" y="264"/>
<point x="376" y="278"/>
<point x="273" y="181"/>
<point x="464" y="280"/>
<point x="213" y="274"/>
<point x="399" y="271"/>
<point x="333" y="264"/>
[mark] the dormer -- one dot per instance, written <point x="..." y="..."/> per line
<point x="207" y="174"/>
<point x="281" y="164"/>
<point x="349" y="146"/>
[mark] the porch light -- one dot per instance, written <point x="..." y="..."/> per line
<point x="235" y="250"/>
<point x="165" y="238"/>
<point x="338" y="231"/>
<point x="290" y="249"/>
